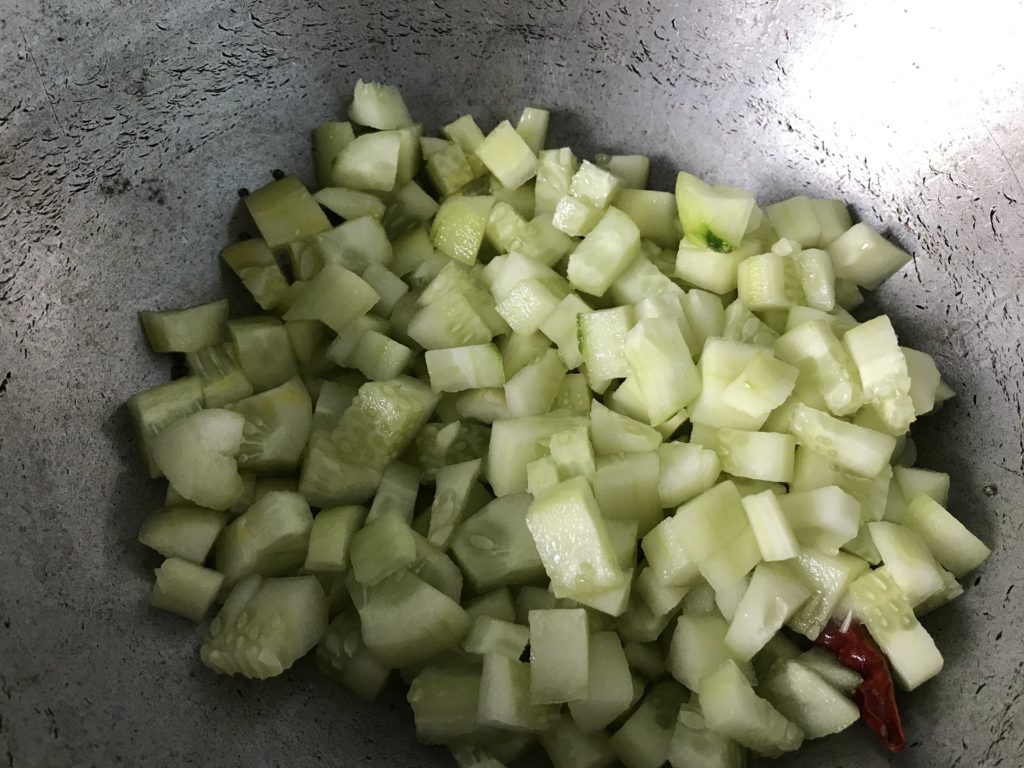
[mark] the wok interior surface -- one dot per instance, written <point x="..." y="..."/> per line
<point x="126" y="129"/>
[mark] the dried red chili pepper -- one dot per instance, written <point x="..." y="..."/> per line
<point x="875" y="697"/>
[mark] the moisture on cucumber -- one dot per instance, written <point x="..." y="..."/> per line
<point x="580" y="460"/>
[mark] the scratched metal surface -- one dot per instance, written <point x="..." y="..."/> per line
<point x="125" y="129"/>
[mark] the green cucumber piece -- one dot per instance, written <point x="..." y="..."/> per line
<point x="532" y="389"/>
<point x="555" y="169"/>
<point x="277" y="426"/>
<point x="731" y="707"/>
<point x="328" y="140"/>
<point x="572" y="538"/>
<point x="458" y="228"/>
<point x="378" y="106"/>
<point x="256" y="267"/>
<point x="626" y="488"/>
<point x="826" y="666"/>
<point x="559" y="655"/>
<point x="381" y="548"/>
<point x="269" y="539"/>
<point x="507" y="156"/>
<point x="807" y="700"/>
<point x="575" y="217"/>
<point x="605" y="253"/>
<point x="567" y="746"/>
<point x="715" y="217"/>
<point x="856" y="449"/>
<point x="399" y="487"/>
<point x="186" y="330"/>
<point x="643" y="740"/>
<point x="770" y="527"/>
<point x="263" y="351"/>
<point x="182" y="532"/>
<point x="283" y="211"/>
<point x="489" y="635"/>
<point x="265" y="626"/>
<point x="505" y="698"/>
<point x="184" y="588"/>
<point x="610" y="688"/>
<point x="407" y="621"/>
<point x="732" y="562"/>
<point x="686" y="471"/>
<point x="828" y="576"/>
<point x="196" y="454"/>
<point x="864" y="257"/>
<point x="955" y="547"/>
<point x="330" y="538"/>
<point x="498" y="604"/>
<point x="454" y="499"/>
<point x="350" y="203"/>
<point x="516" y="442"/>
<point x="698" y="648"/>
<point x="533" y="127"/>
<point x="613" y="433"/>
<point x="773" y="595"/>
<point x="457" y="369"/>
<point x="494" y="547"/>
<point x="630" y="170"/>
<point x="444" y="701"/>
<point x="884" y="609"/>
<point x="694" y="745"/>
<point x="343" y="656"/>
<point x="369" y="162"/>
<point x="594" y="185"/>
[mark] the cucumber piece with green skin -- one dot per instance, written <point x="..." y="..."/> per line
<point x="559" y="654"/>
<point x="715" y="217"/>
<point x="955" y="547"/>
<point x="731" y="707"/>
<point x="494" y="547"/>
<point x="196" y="454"/>
<point x="567" y="746"/>
<point x="406" y="621"/>
<point x="269" y="539"/>
<point x="265" y="626"/>
<point x="613" y="433"/>
<point x="330" y="538"/>
<point x="602" y="335"/>
<point x="643" y="740"/>
<point x="183" y="532"/>
<point x="343" y="656"/>
<point x="626" y="488"/>
<point x="572" y="538"/>
<point x="610" y="688"/>
<point x="694" y="745"/>
<point x="186" y="330"/>
<point x="773" y="595"/>
<point x="505" y="698"/>
<point x="605" y="253"/>
<point x="882" y="606"/>
<point x="283" y="211"/>
<point x="277" y="426"/>
<point x="453" y="499"/>
<point x="489" y="635"/>
<point x="807" y="700"/>
<point x="185" y="588"/>
<point x="444" y="703"/>
<point x="864" y="257"/>
<point x="328" y="140"/>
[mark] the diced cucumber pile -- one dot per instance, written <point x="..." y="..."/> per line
<point x="578" y="460"/>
